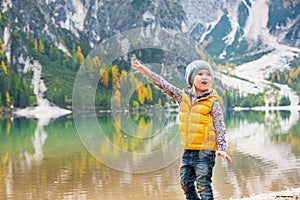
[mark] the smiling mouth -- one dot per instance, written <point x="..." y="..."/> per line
<point x="204" y="82"/>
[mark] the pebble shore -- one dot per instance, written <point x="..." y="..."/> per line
<point x="289" y="194"/>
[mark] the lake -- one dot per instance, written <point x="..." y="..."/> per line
<point x="137" y="156"/>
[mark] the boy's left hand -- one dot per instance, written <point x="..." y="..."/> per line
<point x="224" y="155"/>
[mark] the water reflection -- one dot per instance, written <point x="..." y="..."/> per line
<point x="263" y="161"/>
<point x="146" y="146"/>
<point x="49" y="161"/>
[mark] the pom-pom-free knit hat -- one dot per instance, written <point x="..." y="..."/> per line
<point x="193" y="68"/>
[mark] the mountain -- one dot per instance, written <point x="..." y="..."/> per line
<point x="236" y="27"/>
<point x="257" y="38"/>
<point x="56" y="34"/>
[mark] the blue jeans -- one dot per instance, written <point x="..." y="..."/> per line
<point x="197" y="165"/>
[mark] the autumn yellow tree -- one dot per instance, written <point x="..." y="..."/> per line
<point x="115" y="76"/>
<point x="202" y="53"/>
<point x="8" y="127"/>
<point x="36" y="45"/>
<point x="4" y="67"/>
<point x="96" y="62"/>
<point x="277" y="75"/>
<point x="104" y="77"/>
<point x="273" y="77"/>
<point x="79" y="56"/>
<point x="227" y="69"/>
<point x="41" y="46"/>
<point x="142" y="129"/>
<point x="117" y="99"/>
<point x="7" y="99"/>
<point x="220" y="67"/>
<point x="141" y="92"/>
<point x="286" y="76"/>
<point x="289" y="81"/>
<point x="1" y="47"/>
<point x="135" y="42"/>
<point x="205" y="43"/>
<point x="92" y="65"/>
<point x="293" y="73"/>
<point x="117" y="137"/>
<point x="149" y="93"/>
<point x="123" y="76"/>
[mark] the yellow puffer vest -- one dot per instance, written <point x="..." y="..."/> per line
<point x="196" y="124"/>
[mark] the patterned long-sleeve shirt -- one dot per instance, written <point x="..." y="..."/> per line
<point x="216" y="112"/>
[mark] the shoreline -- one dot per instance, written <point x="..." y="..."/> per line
<point x="41" y="112"/>
<point x="55" y="112"/>
<point x="268" y="108"/>
<point x="288" y="194"/>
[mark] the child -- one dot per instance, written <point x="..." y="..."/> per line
<point x="201" y="126"/>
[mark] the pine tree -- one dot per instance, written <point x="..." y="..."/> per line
<point x="41" y="46"/>
<point x="4" y="68"/>
<point x="51" y="49"/>
<point x="14" y="87"/>
<point x="66" y="60"/>
<point x="1" y="104"/>
<point x="23" y="98"/>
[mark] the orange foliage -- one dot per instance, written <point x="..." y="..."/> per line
<point x="1" y="47"/>
<point x="104" y="77"/>
<point x="115" y="76"/>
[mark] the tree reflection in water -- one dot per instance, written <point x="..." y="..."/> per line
<point x="265" y="147"/>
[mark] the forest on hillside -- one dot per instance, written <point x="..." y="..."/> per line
<point x="60" y="68"/>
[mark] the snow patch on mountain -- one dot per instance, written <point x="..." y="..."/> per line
<point x="6" y="4"/>
<point x="44" y="111"/>
<point x="196" y="12"/>
<point x="74" y="20"/>
<point x="257" y="71"/>
<point x="6" y="38"/>
<point x="233" y="17"/>
<point x="79" y="15"/>
<point x="200" y="12"/>
<point x="257" y="20"/>
<point x="281" y="30"/>
<point x="244" y="87"/>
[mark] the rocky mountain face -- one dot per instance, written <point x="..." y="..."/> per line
<point x="235" y="27"/>
<point x="91" y="20"/>
<point x="85" y="22"/>
<point x="230" y="26"/>
<point x="237" y="31"/>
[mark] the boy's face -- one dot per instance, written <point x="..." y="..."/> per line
<point x="202" y="80"/>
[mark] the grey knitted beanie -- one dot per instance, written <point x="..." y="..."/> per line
<point x="193" y="68"/>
